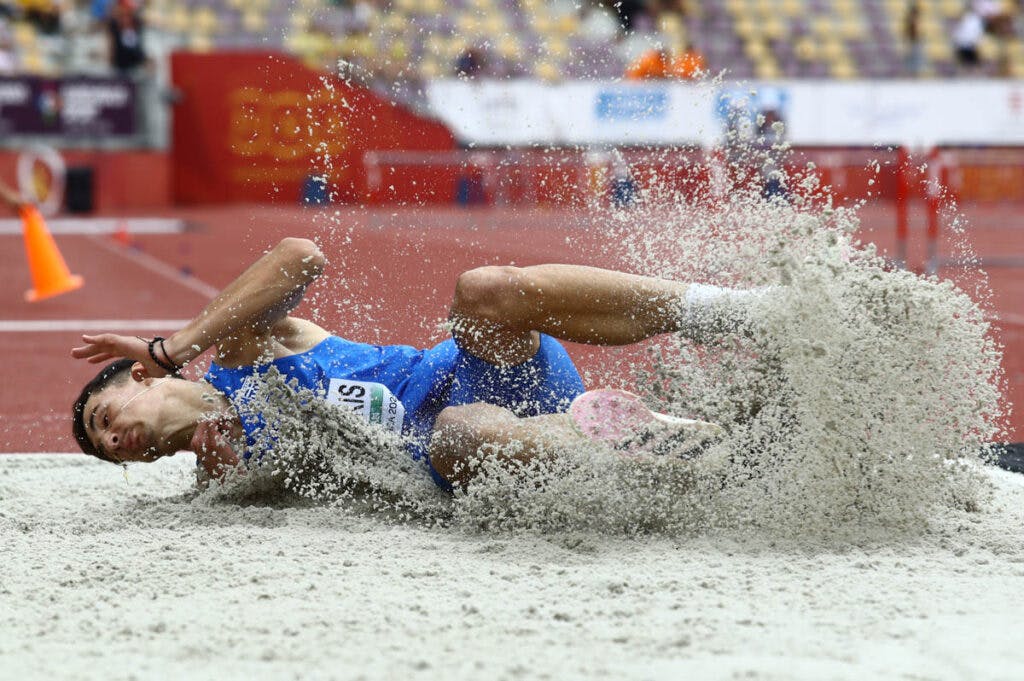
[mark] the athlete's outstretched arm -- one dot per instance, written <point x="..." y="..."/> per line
<point x="242" y="314"/>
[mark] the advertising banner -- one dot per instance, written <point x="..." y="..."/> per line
<point x="253" y="126"/>
<point x="69" y="108"/>
<point x="859" y="113"/>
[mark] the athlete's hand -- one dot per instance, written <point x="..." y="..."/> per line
<point x="213" y="449"/>
<point x="108" y="346"/>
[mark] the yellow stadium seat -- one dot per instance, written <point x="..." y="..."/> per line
<point x="154" y="16"/>
<point x="806" y="49"/>
<point x="430" y="68"/>
<point x="737" y="8"/>
<point x="543" y="23"/>
<point x="775" y="28"/>
<point x="25" y="36"/>
<point x="558" y="48"/>
<point x="254" y="21"/>
<point x="747" y="28"/>
<point x="299" y="21"/>
<point x="844" y="70"/>
<point x="669" y="22"/>
<point x="756" y="50"/>
<point x="766" y="68"/>
<point x="205" y="20"/>
<point x="792" y="8"/>
<point x="938" y="50"/>
<point x="822" y="26"/>
<point x="547" y="71"/>
<point x="566" y="24"/>
<point x="179" y="19"/>
<point x="832" y="50"/>
<point x="852" y="29"/>
<point x="508" y="46"/>
<point x="951" y="8"/>
<point x="32" y="62"/>
<point x="200" y="42"/>
<point x="494" y="25"/>
<point x="988" y="49"/>
<point x="435" y="44"/>
<point x="398" y="51"/>
<point x="468" y="24"/>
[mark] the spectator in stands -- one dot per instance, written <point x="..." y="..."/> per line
<point x="629" y="12"/>
<point x="470" y="63"/>
<point x="99" y="10"/>
<point x="966" y="35"/>
<point x="8" y="58"/>
<point x="651" y="64"/>
<point x="770" y="142"/>
<point x="912" y="35"/>
<point x="127" y="52"/>
<point x="689" y="64"/>
<point x="658" y="63"/>
<point x="999" y="24"/>
<point x="44" y="14"/>
<point x="598" y="24"/>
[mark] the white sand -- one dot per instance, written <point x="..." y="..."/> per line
<point x="106" y="579"/>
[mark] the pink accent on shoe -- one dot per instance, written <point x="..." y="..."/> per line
<point x="617" y="417"/>
<point x="609" y="416"/>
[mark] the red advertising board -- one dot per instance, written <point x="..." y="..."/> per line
<point x="254" y="126"/>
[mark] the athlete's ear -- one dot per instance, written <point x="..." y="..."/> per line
<point x="139" y="373"/>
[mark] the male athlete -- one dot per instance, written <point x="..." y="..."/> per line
<point x="502" y="377"/>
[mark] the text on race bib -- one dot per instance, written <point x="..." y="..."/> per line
<point x="372" y="401"/>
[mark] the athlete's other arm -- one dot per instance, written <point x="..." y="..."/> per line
<point x="241" y="321"/>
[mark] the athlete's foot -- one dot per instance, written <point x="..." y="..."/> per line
<point x="712" y="312"/>
<point x="620" y="420"/>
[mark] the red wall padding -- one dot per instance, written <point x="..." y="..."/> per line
<point x="253" y="126"/>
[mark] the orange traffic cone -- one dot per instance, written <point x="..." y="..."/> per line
<point x="50" y="275"/>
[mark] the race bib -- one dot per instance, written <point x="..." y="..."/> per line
<point x="372" y="401"/>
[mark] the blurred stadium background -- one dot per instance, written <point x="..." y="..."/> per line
<point x="178" y="117"/>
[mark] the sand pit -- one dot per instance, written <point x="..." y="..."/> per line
<point x="112" y="579"/>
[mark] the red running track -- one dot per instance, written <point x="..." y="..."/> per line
<point x="390" y="283"/>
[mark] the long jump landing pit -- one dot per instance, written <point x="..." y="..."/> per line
<point x="108" y="577"/>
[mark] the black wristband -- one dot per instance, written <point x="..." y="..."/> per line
<point x="167" y="366"/>
<point x="167" y="356"/>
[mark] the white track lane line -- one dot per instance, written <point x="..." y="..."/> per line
<point x="1010" y="317"/>
<point x="61" y="325"/>
<point x="158" y="266"/>
<point x="10" y="227"/>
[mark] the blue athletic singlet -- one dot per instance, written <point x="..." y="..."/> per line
<point x="404" y="389"/>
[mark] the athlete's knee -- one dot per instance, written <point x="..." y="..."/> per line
<point x="459" y="432"/>
<point x="468" y="420"/>
<point x="489" y="292"/>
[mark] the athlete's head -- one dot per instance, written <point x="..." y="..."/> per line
<point x="119" y="419"/>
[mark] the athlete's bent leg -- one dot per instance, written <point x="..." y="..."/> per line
<point x="498" y="311"/>
<point x="461" y="431"/>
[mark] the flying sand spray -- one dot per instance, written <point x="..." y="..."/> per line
<point x="857" y="395"/>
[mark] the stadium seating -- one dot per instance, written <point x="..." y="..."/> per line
<point x="561" y="39"/>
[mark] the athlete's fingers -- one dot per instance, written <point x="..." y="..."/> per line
<point x="84" y="351"/>
<point x="96" y="359"/>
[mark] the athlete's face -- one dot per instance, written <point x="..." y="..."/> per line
<point x="126" y="420"/>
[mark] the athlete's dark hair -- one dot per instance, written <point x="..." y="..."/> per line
<point x="115" y="372"/>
